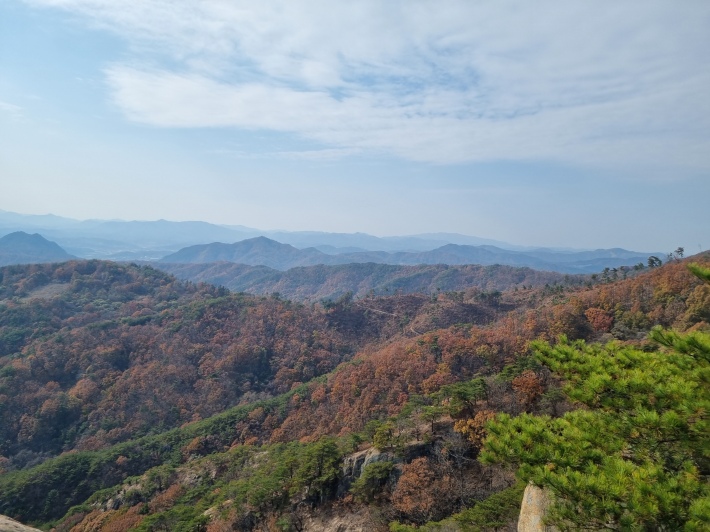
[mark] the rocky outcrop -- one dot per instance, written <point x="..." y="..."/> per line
<point x="354" y="464"/>
<point x="536" y="502"/>
<point x="343" y="521"/>
<point x="10" y="525"/>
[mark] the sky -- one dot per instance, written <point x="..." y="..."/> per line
<point x="572" y="124"/>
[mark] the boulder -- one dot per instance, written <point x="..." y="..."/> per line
<point x="536" y="502"/>
<point x="10" y="525"/>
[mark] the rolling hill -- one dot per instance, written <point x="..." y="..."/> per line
<point x="306" y="283"/>
<point x="253" y="251"/>
<point x="134" y="401"/>
<point x="23" y="248"/>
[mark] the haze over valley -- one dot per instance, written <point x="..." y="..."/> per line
<point x="201" y="242"/>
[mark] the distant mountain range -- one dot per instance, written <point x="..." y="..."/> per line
<point x="259" y="251"/>
<point x="262" y="251"/>
<point x="264" y="266"/>
<point x="151" y="240"/>
<point x="119" y="240"/>
<point x="189" y="243"/>
<point x="22" y="248"/>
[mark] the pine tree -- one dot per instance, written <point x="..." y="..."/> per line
<point x="636" y="454"/>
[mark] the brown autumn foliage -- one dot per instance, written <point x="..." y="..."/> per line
<point x="126" y="350"/>
<point x="414" y="495"/>
<point x="474" y="429"/>
<point x="600" y="320"/>
<point x="220" y="525"/>
<point x="103" y="520"/>
<point x="124" y="520"/>
<point x="378" y="382"/>
<point x="167" y="498"/>
<point x="528" y="387"/>
<point x="425" y="491"/>
<point x="400" y="359"/>
<point x="95" y="520"/>
<point x="314" y="283"/>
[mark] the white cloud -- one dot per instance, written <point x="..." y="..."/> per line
<point x="442" y="82"/>
<point x="12" y="110"/>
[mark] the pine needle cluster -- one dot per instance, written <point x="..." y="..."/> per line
<point x="636" y="454"/>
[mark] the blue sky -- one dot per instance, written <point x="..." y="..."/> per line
<point x="576" y="124"/>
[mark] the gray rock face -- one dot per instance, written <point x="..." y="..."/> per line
<point x="536" y="501"/>
<point x="10" y="525"/>
<point x="354" y="464"/>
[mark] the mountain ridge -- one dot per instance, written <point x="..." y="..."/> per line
<point x="262" y="251"/>
<point x="24" y="248"/>
<point x="151" y="240"/>
<point x="304" y="283"/>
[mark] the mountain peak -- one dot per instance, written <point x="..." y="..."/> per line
<point x="262" y="240"/>
<point x="257" y="251"/>
<point x="24" y="248"/>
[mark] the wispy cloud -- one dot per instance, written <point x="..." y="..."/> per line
<point x="442" y="82"/>
<point x="12" y="110"/>
<point x="325" y="154"/>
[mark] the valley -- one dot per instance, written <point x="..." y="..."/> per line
<point x="354" y="266"/>
<point x="133" y="400"/>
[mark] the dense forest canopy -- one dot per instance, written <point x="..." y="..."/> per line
<point x="637" y="456"/>
<point x="194" y="405"/>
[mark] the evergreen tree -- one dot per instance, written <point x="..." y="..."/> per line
<point x="636" y="455"/>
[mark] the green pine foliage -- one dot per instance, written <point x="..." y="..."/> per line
<point x="636" y="456"/>
<point x="75" y="476"/>
<point x="493" y="513"/>
<point x="318" y="469"/>
<point x="488" y="515"/>
<point x="371" y="480"/>
<point x="700" y="271"/>
<point x="461" y="397"/>
<point x="247" y="483"/>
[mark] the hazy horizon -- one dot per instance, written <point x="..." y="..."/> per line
<point x="551" y="125"/>
<point x="273" y="234"/>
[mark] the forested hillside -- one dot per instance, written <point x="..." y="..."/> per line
<point x="23" y="248"/>
<point x="95" y="353"/>
<point x="314" y="283"/>
<point x="284" y="415"/>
